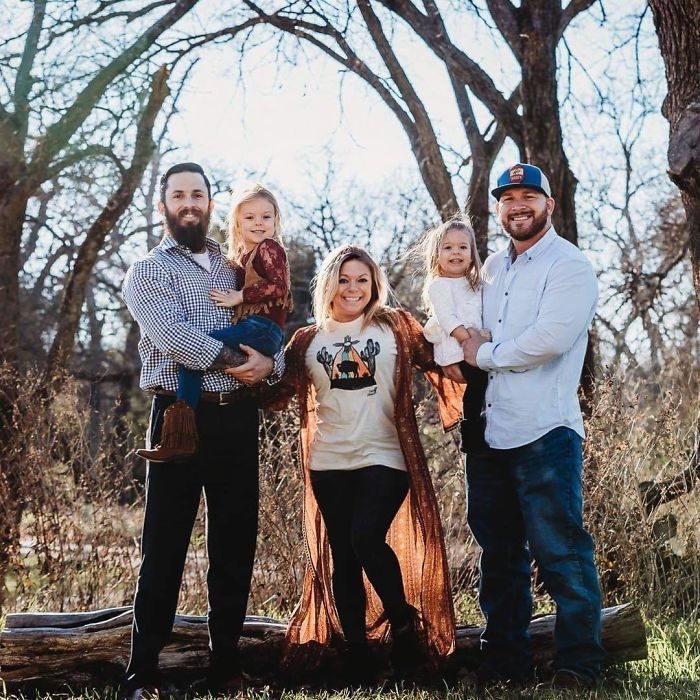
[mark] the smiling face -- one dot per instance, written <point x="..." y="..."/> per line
<point x="354" y="291"/>
<point x="525" y="215"/>
<point x="186" y="209"/>
<point x="256" y="219"/>
<point x="454" y="255"/>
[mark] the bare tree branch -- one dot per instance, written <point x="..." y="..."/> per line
<point x="303" y="30"/>
<point x="573" y="10"/>
<point x="458" y="63"/>
<point x="58" y="135"/>
<point x="78" y="155"/>
<point x="656" y="493"/>
<point x="23" y="79"/>
<point x="505" y="15"/>
<point x="95" y="18"/>
<point x="74" y="296"/>
<point x="425" y="144"/>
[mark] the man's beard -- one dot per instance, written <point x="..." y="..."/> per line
<point x="191" y="235"/>
<point x="537" y="225"/>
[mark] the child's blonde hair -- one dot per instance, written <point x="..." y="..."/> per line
<point x="326" y="282"/>
<point x="430" y="249"/>
<point x="236" y="246"/>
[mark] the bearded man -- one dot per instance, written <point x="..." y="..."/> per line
<point x="525" y="501"/>
<point x="167" y="292"/>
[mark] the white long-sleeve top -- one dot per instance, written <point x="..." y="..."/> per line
<point x="454" y="303"/>
<point x="538" y="308"/>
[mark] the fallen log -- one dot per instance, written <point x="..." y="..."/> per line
<point x="91" y="649"/>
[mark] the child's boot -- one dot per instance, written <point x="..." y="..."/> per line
<point x="178" y="439"/>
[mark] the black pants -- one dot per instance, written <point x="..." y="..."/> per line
<point x="225" y="467"/>
<point x="358" y="506"/>
<point x="473" y="401"/>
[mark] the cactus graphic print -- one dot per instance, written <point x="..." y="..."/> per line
<point x="353" y="371"/>
<point x="346" y="367"/>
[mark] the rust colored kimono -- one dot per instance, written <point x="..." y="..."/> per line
<point x="415" y="535"/>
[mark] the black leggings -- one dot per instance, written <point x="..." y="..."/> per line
<point x="473" y="401"/>
<point x="358" y="506"/>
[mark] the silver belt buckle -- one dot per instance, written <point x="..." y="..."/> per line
<point x="223" y="401"/>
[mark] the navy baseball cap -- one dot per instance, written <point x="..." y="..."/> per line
<point x="521" y="175"/>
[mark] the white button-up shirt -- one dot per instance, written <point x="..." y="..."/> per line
<point x="538" y="308"/>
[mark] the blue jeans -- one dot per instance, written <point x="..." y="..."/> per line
<point x="526" y="503"/>
<point x="259" y="332"/>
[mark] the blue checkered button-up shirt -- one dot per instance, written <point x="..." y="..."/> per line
<point x="167" y="292"/>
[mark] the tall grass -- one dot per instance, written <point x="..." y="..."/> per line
<point x="82" y="502"/>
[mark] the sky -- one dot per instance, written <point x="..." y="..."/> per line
<point x="242" y="115"/>
<point x="285" y="123"/>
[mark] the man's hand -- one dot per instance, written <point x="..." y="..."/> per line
<point x="254" y="370"/>
<point x="472" y="344"/>
<point x="454" y="373"/>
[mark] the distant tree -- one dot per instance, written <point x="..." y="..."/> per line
<point x="678" y="28"/>
<point x="73" y="77"/>
<point x="529" y="114"/>
<point x="31" y="156"/>
<point x="79" y="277"/>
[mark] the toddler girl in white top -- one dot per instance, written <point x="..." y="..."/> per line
<point x="452" y="294"/>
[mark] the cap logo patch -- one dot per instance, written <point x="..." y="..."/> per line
<point x="516" y="174"/>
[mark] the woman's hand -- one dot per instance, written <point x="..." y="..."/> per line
<point x="454" y="373"/>
<point x="227" y="298"/>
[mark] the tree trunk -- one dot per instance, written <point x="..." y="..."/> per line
<point x="21" y="173"/>
<point x="13" y="207"/>
<point x="420" y="132"/>
<point x="478" y="205"/>
<point x="74" y="296"/>
<point x="678" y="28"/>
<point x="543" y="139"/>
<point x="50" y="650"/>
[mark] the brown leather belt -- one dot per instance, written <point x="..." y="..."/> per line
<point x="223" y="398"/>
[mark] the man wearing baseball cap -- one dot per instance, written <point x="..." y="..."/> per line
<point x="525" y="501"/>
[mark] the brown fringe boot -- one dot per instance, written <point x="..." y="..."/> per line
<point x="178" y="439"/>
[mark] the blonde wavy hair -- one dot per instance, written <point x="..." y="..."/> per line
<point x="235" y="235"/>
<point x="326" y="282"/>
<point x="429" y="249"/>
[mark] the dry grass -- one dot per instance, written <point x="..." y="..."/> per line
<point x="82" y="506"/>
<point x="644" y="431"/>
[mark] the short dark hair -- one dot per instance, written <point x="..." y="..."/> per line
<point x="182" y="168"/>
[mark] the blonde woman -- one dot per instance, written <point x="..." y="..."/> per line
<point x="260" y="310"/>
<point x="376" y="557"/>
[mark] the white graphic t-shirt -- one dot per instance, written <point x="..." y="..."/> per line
<point x="353" y="372"/>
